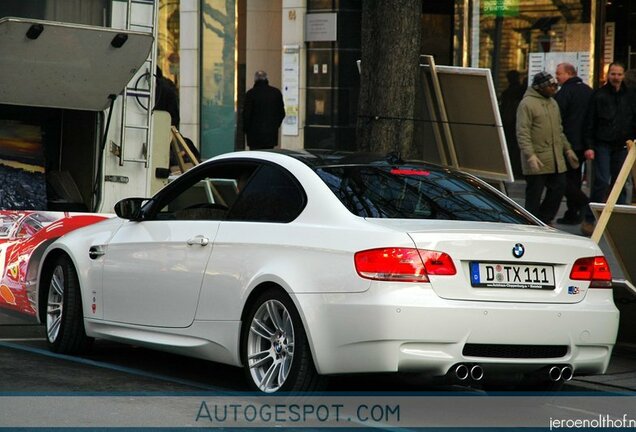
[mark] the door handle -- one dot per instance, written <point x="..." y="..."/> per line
<point x="198" y="240"/>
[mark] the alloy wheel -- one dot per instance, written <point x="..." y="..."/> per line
<point x="55" y="304"/>
<point x="270" y="346"/>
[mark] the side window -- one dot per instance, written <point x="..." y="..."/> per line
<point x="208" y="196"/>
<point x="272" y="195"/>
<point x="29" y="226"/>
<point x="25" y="230"/>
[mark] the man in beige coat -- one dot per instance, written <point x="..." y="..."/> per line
<point x="544" y="147"/>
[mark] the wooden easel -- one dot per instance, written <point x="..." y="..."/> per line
<point x="619" y="184"/>
<point x="177" y="145"/>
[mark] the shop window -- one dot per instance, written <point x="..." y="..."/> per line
<point x="168" y="39"/>
<point x="218" y="69"/>
<point x="528" y="36"/>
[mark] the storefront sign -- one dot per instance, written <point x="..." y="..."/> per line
<point x="291" y="77"/>
<point x="321" y="27"/>
<point x="501" y="7"/>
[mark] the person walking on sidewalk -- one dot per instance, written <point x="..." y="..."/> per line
<point x="573" y="99"/>
<point x="544" y="147"/>
<point x="263" y="113"/>
<point x="510" y="100"/>
<point x="609" y="124"/>
<point x="167" y="97"/>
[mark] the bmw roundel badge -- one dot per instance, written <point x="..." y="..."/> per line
<point x="518" y="250"/>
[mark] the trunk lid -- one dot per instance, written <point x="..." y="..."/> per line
<point x="483" y="253"/>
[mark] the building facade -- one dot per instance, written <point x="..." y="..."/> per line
<point x="310" y="48"/>
<point x="210" y="49"/>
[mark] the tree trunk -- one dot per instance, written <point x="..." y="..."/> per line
<point x="390" y="58"/>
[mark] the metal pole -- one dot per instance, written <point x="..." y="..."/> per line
<point x="437" y="89"/>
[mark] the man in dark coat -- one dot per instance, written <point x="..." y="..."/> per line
<point x="573" y="100"/>
<point x="609" y="124"/>
<point x="263" y="113"/>
<point x="167" y="97"/>
<point x="510" y="99"/>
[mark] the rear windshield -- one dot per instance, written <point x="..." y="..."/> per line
<point x="412" y="192"/>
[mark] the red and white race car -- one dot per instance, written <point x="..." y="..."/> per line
<point x="24" y="235"/>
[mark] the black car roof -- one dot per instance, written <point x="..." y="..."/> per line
<point x="316" y="158"/>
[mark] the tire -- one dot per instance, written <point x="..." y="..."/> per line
<point x="276" y="357"/>
<point x="64" y="314"/>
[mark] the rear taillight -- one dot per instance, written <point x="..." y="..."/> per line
<point x="402" y="264"/>
<point x="437" y="263"/>
<point x="593" y="269"/>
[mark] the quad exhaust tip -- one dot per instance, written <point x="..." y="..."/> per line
<point x="557" y="373"/>
<point x="474" y="372"/>
<point x="461" y="372"/>
<point x="567" y="373"/>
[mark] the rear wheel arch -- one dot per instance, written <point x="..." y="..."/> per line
<point x="256" y="293"/>
<point x="303" y="376"/>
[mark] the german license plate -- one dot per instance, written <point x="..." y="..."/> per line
<point x="508" y="275"/>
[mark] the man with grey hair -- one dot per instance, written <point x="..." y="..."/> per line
<point x="573" y="100"/>
<point x="263" y="113"/>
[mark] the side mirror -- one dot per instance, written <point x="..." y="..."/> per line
<point x="130" y="208"/>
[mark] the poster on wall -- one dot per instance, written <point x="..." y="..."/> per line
<point x="22" y="176"/>
<point x="291" y="77"/>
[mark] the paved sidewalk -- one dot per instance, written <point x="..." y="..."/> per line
<point x="620" y="376"/>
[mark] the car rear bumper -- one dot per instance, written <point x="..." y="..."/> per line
<point x="396" y="327"/>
